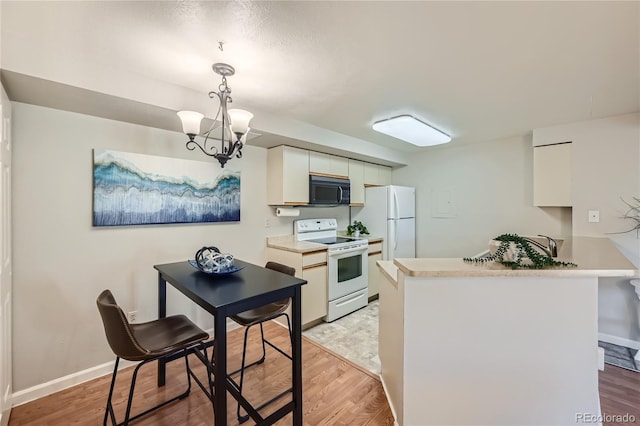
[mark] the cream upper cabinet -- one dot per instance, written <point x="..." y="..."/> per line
<point x="328" y="165"/>
<point x="376" y="175"/>
<point x="384" y="175"/>
<point x="356" y="178"/>
<point x="552" y="175"/>
<point x="287" y="176"/>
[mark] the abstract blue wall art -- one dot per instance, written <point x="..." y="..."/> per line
<point x="138" y="189"/>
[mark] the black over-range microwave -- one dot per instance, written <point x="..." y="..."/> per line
<point x="325" y="190"/>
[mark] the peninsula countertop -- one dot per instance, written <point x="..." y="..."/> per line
<point x="597" y="257"/>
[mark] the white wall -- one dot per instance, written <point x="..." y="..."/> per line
<point x="606" y="159"/>
<point x="62" y="263"/>
<point x="492" y="186"/>
<point x="490" y="189"/>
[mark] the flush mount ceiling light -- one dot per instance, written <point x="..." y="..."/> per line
<point x="234" y="123"/>
<point x="412" y="130"/>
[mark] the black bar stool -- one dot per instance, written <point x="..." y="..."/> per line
<point x="258" y="316"/>
<point x="173" y="336"/>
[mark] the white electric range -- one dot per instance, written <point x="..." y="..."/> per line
<point x="347" y="265"/>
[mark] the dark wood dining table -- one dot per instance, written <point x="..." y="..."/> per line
<point x="225" y="295"/>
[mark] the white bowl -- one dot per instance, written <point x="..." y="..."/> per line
<point x="508" y="256"/>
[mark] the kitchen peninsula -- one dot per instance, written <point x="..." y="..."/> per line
<point x="464" y="343"/>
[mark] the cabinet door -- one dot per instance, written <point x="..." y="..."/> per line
<point x="552" y="175"/>
<point x="371" y="174"/>
<point x="319" y="163"/>
<point x="328" y="165"/>
<point x="296" y="175"/>
<point x="376" y="175"/>
<point x="374" y="273"/>
<point x="356" y="177"/>
<point x="287" y="176"/>
<point x="314" y="293"/>
<point x="384" y="175"/>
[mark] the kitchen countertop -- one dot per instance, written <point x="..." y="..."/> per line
<point x="389" y="269"/>
<point x="289" y="243"/>
<point x="370" y="238"/>
<point x="594" y="256"/>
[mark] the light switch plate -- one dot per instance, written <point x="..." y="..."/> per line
<point x="594" y="216"/>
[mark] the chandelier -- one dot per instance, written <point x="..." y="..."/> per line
<point x="234" y="123"/>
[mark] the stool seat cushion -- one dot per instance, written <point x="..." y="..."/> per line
<point x="165" y="335"/>
<point x="263" y="313"/>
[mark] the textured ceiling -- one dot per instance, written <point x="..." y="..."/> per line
<point x="477" y="70"/>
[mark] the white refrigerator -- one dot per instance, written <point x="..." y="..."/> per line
<point x="389" y="212"/>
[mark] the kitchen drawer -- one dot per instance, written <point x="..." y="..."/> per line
<point x="314" y="258"/>
<point x="375" y="248"/>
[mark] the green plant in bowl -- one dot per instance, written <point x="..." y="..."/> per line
<point x="357" y="229"/>
<point x="516" y="252"/>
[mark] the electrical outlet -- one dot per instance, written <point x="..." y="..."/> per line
<point x="131" y="316"/>
<point x="594" y="216"/>
<point x="267" y="223"/>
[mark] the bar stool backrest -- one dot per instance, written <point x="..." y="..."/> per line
<point x="117" y="329"/>
<point x="275" y="266"/>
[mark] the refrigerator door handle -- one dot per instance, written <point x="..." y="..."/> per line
<point x="396" y="205"/>
<point x="397" y="211"/>
<point x="395" y="242"/>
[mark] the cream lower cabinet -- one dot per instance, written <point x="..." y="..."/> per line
<point x="314" y="293"/>
<point x="311" y="266"/>
<point x="375" y="254"/>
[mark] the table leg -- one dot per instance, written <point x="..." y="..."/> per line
<point x="296" y="374"/>
<point x="162" y="312"/>
<point x="220" y="368"/>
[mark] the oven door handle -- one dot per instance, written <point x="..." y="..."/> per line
<point x="340" y="189"/>
<point x="347" y="251"/>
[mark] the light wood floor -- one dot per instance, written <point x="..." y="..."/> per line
<point x="619" y="395"/>
<point x="335" y="392"/>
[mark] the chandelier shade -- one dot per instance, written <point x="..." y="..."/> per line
<point x="191" y="121"/>
<point x="239" y="120"/>
<point x="234" y="123"/>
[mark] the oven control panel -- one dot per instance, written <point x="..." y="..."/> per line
<point x="314" y="225"/>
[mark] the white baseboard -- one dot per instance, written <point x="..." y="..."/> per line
<point x="619" y="341"/>
<point x="65" y="382"/>
<point x="61" y="383"/>
<point x="4" y="417"/>
<point x="600" y="359"/>
<point x="386" y="394"/>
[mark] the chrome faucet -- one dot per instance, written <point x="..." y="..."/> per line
<point x="551" y="250"/>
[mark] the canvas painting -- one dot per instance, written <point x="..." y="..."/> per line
<point x="138" y="189"/>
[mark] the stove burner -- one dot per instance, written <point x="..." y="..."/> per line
<point x="331" y="240"/>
